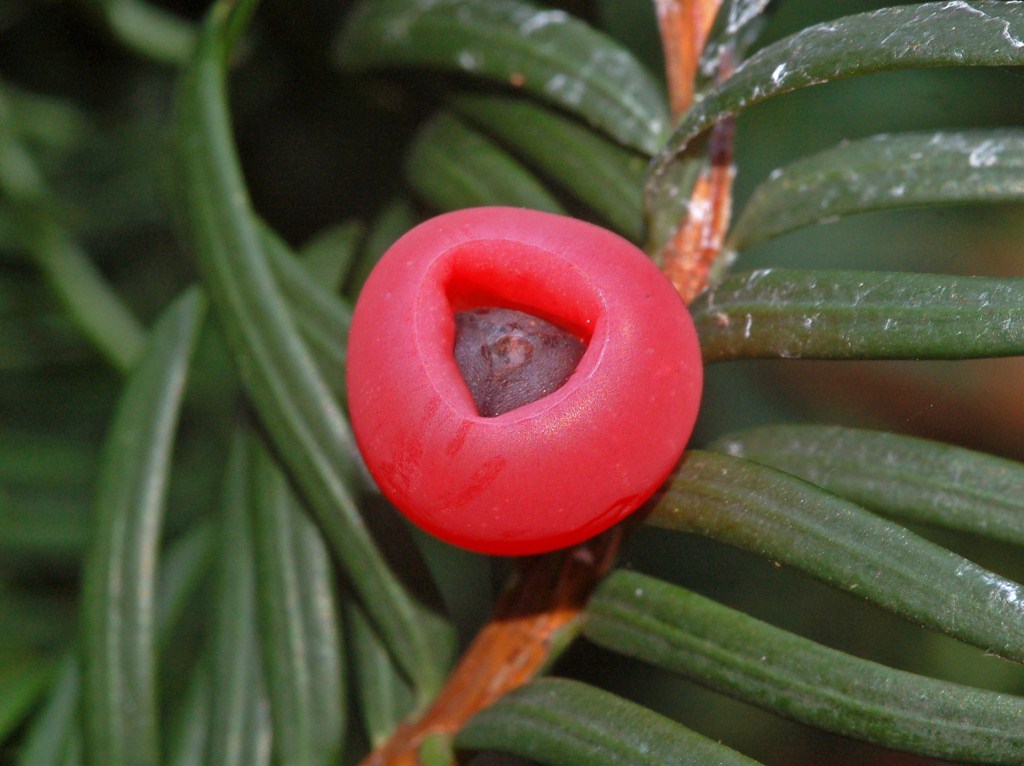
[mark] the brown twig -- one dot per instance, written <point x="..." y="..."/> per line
<point x="684" y="27"/>
<point x="689" y="254"/>
<point x="542" y="605"/>
<point x="545" y="603"/>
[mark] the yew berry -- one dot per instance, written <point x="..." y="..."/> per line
<point x="568" y="398"/>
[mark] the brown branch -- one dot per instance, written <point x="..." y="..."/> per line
<point x="684" y="27"/>
<point x="543" y="604"/>
<point x="688" y="256"/>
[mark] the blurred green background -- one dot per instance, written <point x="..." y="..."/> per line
<point x="320" y="148"/>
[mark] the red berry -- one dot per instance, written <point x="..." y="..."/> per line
<point x="553" y="462"/>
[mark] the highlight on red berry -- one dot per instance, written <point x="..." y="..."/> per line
<point x="520" y="381"/>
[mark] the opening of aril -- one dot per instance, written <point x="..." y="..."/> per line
<point x="509" y="358"/>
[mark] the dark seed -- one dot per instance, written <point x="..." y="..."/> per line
<point x="509" y="358"/>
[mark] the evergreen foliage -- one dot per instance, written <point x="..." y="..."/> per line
<point x="195" y="568"/>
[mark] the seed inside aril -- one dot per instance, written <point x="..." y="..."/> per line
<point x="509" y="358"/>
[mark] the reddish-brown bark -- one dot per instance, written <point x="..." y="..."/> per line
<point x="684" y="26"/>
<point x="548" y="597"/>
<point x="688" y="255"/>
<point x="542" y="606"/>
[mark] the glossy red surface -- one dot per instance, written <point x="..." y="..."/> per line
<point x="558" y="470"/>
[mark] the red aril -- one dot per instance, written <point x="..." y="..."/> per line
<point x="559" y="468"/>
